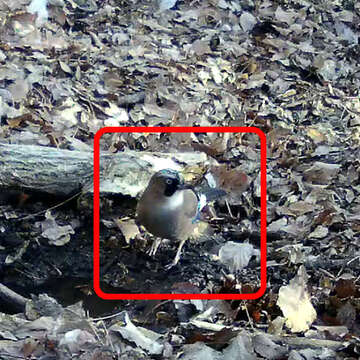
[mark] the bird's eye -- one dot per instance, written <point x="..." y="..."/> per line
<point x="169" y="181"/>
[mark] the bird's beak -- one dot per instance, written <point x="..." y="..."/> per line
<point x="184" y="186"/>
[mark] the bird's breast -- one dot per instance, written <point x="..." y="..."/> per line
<point x="165" y="217"/>
<point x="174" y="202"/>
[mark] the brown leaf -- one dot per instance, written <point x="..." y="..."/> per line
<point x="345" y="288"/>
<point x="18" y="121"/>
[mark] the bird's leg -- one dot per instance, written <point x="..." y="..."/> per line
<point x="154" y="246"/>
<point x="228" y="207"/>
<point x="177" y="256"/>
<point x="212" y="213"/>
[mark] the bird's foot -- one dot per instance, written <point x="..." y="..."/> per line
<point x="154" y="246"/>
<point x="172" y="264"/>
<point x="177" y="256"/>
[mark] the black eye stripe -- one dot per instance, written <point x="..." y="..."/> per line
<point x="171" y="185"/>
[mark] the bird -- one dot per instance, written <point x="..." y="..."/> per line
<point x="169" y="209"/>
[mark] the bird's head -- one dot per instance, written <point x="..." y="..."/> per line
<point x="166" y="182"/>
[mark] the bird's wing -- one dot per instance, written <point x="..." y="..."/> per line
<point x="190" y="203"/>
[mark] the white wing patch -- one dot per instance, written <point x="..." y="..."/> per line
<point x="202" y="202"/>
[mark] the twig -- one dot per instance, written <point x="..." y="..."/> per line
<point x="12" y="298"/>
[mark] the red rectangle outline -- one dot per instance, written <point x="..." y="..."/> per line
<point x="185" y="129"/>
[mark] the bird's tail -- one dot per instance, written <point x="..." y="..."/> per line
<point x="206" y="196"/>
<point x="213" y="194"/>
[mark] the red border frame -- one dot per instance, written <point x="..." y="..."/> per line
<point x="186" y="129"/>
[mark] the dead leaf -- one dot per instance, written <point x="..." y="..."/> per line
<point x="128" y="228"/>
<point x="294" y="302"/>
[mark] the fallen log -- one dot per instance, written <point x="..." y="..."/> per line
<point x="65" y="172"/>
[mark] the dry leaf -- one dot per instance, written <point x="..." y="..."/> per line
<point x="294" y="302"/>
<point x="128" y="228"/>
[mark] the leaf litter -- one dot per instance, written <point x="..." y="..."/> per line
<point x="289" y="68"/>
